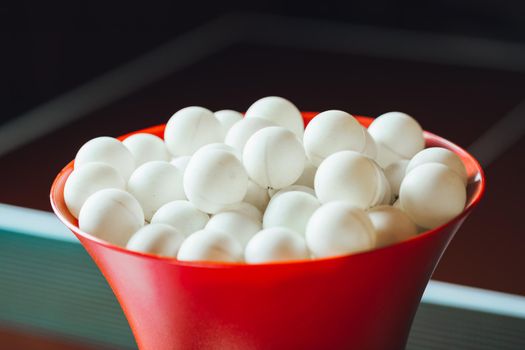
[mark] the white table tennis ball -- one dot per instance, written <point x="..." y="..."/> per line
<point x="352" y="177"/>
<point x="182" y="215"/>
<point x="240" y="226"/>
<point x="338" y="228"/>
<point x="274" y="193"/>
<point x="208" y="245"/>
<point x="227" y="118"/>
<point x="385" y="156"/>
<point x="276" y="244"/>
<point x="274" y="157"/>
<point x="112" y="215"/>
<point x="191" y="128"/>
<point x="440" y="155"/>
<point x="397" y="135"/>
<point x="107" y="150"/>
<point x="155" y="184"/>
<point x="257" y="196"/>
<point x="159" y="239"/>
<point x="241" y="131"/>
<point x="308" y="175"/>
<point x="419" y="229"/>
<point x="432" y="194"/>
<point x="88" y="179"/>
<point x="330" y="132"/>
<point x="370" y="148"/>
<point x="391" y="225"/>
<point x="386" y="197"/>
<point x="291" y="210"/>
<point x="181" y="162"/>
<point x="213" y="179"/>
<point x="146" y="147"/>
<point x="395" y="173"/>
<point x="279" y="111"/>
<point x="244" y="208"/>
<point x="221" y="146"/>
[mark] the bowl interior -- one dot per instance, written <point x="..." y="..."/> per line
<point x="475" y="190"/>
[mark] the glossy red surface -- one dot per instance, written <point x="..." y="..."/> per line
<point x="360" y="301"/>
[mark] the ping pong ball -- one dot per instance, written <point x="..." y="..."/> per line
<point x="182" y="215"/>
<point x="159" y="239"/>
<point x="213" y="179"/>
<point x="308" y="175"/>
<point x="275" y="193"/>
<point x="244" y="208"/>
<point x="146" y="147"/>
<point x="107" y="150"/>
<point x="274" y="157"/>
<point x="370" y="148"/>
<point x="276" y="244"/>
<point x="391" y="225"/>
<point x="291" y="210"/>
<point x="338" y="228"/>
<point x="181" y="162"/>
<point x="385" y="156"/>
<point x="442" y="156"/>
<point x="191" y="128"/>
<point x="280" y="111"/>
<point x="395" y="174"/>
<point x="227" y="118"/>
<point x="352" y="177"/>
<point x="112" y="215"/>
<point x="398" y="135"/>
<point x="330" y="132"/>
<point x="257" y="196"/>
<point x="88" y="179"/>
<point x="155" y="184"/>
<point x="221" y="146"/>
<point x="384" y="191"/>
<point x="241" y="131"/>
<point x="209" y="245"/>
<point x="240" y="226"/>
<point x="432" y="194"/>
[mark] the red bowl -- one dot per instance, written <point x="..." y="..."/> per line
<point x="360" y="301"/>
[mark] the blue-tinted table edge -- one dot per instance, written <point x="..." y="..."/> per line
<point x="45" y="224"/>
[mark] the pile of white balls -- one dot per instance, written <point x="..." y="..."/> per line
<point x="262" y="188"/>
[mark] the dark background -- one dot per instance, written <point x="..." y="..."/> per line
<point x="47" y="50"/>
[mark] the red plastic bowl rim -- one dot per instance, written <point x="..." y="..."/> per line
<point x="214" y="265"/>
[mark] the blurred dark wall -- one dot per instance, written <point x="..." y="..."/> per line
<point x="46" y="49"/>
